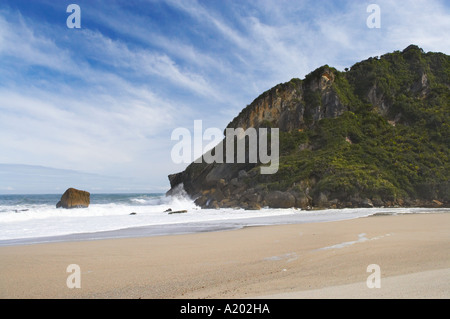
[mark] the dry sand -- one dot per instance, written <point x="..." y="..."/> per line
<point x="317" y="260"/>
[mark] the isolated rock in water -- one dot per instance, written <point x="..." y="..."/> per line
<point x="21" y="210"/>
<point x="74" y="198"/>
<point x="178" y="211"/>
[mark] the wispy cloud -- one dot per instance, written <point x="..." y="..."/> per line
<point x="106" y="97"/>
<point x="97" y="121"/>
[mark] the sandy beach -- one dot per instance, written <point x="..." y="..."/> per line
<point x="316" y="260"/>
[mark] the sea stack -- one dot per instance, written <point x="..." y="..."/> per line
<point x="74" y="198"/>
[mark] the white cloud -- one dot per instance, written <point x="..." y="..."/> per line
<point x="197" y="11"/>
<point x="78" y="133"/>
<point x="107" y="103"/>
<point x="104" y="122"/>
<point x="24" y="49"/>
<point x="144" y="62"/>
<point x="425" y="23"/>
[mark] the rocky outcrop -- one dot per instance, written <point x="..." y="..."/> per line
<point x="294" y="105"/>
<point x="74" y="198"/>
<point x="280" y="199"/>
<point x="342" y="140"/>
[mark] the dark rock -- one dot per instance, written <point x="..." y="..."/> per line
<point x="334" y="203"/>
<point x="234" y="182"/>
<point x="229" y="203"/>
<point x="213" y="204"/>
<point x="175" y="179"/>
<point x="242" y="174"/>
<point x="216" y="194"/>
<point x="278" y="199"/>
<point x="201" y="201"/>
<point x="322" y="200"/>
<point x="74" y="198"/>
<point x="377" y="202"/>
<point x="366" y="203"/>
<point x="221" y="183"/>
<point x="252" y="197"/>
<point x="250" y="206"/>
<point x="178" y="212"/>
<point x="21" y="210"/>
<point x="302" y="200"/>
<point x="436" y="203"/>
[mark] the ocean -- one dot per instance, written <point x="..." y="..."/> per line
<point x="30" y="219"/>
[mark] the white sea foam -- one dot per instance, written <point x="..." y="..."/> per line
<point x="42" y="220"/>
<point x="361" y="238"/>
<point x="46" y="220"/>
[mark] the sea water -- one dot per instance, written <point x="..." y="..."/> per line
<point x="35" y="218"/>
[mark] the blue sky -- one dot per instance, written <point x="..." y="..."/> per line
<point x="104" y="99"/>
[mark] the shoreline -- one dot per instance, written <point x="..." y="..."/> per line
<point x="181" y="228"/>
<point x="317" y="260"/>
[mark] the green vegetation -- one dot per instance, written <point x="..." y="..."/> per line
<point x="379" y="132"/>
<point x="396" y="150"/>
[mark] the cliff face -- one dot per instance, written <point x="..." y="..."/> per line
<point x="295" y="104"/>
<point x="375" y="135"/>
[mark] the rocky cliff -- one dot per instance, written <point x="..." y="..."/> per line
<point x="374" y="135"/>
